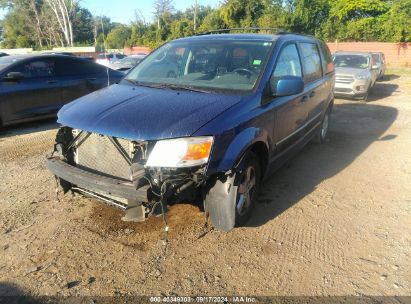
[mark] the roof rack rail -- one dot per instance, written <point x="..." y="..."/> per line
<point x="239" y="29"/>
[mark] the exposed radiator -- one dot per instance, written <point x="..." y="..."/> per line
<point x="99" y="155"/>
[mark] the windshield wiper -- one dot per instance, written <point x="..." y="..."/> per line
<point x="166" y="86"/>
<point x="142" y="84"/>
<point x="184" y="88"/>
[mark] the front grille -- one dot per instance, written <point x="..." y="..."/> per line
<point x="344" y="79"/>
<point x="343" y="90"/>
<point x="99" y="155"/>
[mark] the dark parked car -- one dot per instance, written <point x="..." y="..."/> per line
<point x="34" y="87"/>
<point x="202" y="119"/>
<point x="3" y="54"/>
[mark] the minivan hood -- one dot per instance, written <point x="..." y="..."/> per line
<point x="142" y="113"/>
<point x="348" y="71"/>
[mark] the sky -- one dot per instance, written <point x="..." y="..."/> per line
<point x="123" y="10"/>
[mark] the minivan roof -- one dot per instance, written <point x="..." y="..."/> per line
<point x="244" y="36"/>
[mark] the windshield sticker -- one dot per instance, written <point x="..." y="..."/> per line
<point x="256" y="62"/>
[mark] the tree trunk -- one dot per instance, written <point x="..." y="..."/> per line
<point x="38" y="24"/>
<point x="63" y="17"/>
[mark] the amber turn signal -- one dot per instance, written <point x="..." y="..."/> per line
<point x="196" y="151"/>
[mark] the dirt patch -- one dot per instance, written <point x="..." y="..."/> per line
<point x="334" y="221"/>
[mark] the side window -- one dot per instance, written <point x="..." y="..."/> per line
<point x="36" y="69"/>
<point x="73" y="67"/>
<point x="288" y="63"/>
<point x="375" y="59"/>
<point x="311" y="61"/>
<point x="327" y="60"/>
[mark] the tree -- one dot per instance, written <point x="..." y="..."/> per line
<point x="63" y="11"/>
<point x="212" y="21"/>
<point x="309" y="16"/>
<point x="118" y="37"/>
<point x="397" y="22"/>
<point x="242" y="13"/>
<point x="161" y="8"/>
<point x="83" y="26"/>
<point x="182" y="28"/>
<point x="17" y="33"/>
<point x="49" y="23"/>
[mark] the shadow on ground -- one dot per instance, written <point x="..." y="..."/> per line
<point x="12" y="294"/>
<point x="354" y="127"/>
<point x="382" y="90"/>
<point x="389" y="77"/>
<point x="29" y="127"/>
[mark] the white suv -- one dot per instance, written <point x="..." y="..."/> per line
<point x="107" y="59"/>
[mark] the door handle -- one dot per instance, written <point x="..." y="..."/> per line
<point x="312" y="94"/>
<point x="91" y="79"/>
<point x="52" y="81"/>
<point x="305" y="98"/>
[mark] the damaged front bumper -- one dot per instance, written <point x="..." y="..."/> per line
<point x="113" y="171"/>
<point x="96" y="183"/>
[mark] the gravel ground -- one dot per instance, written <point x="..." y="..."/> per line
<point x="335" y="220"/>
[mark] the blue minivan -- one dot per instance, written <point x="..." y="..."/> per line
<point x="202" y="119"/>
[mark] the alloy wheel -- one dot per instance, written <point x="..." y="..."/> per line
<point x="246" y="190"/>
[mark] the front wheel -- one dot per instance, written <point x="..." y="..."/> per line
<point x="247" y="191"/>
<point x="365" y="97"/>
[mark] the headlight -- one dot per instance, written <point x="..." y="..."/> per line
<point x="362" y="76"/>
<point x="180" y="152"/>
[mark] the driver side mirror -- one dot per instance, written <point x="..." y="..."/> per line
<point x="286" y="86"/>
<point x="13" y="76"/>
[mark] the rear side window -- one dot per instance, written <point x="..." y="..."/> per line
<point x="327" y="59"/>
<point x="73" y="67"/>
<point x="288" y="63"/>
<point x="311" y="61"/>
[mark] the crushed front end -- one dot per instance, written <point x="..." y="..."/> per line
<point x="120" y="172"/>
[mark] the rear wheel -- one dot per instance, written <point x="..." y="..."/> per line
<point x="247" y="191"/>
<point x="323" y="131"/>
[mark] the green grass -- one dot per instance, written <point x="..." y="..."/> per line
<point x="401" y="71"/>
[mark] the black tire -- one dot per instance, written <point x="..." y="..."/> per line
<point x="322" y="132"/>
<point x="365" y="97"/>
<point x="248" y="183"/>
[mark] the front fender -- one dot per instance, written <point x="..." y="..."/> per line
<point x="239" y="145"/>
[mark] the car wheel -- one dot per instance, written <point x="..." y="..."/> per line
<point x="365" y="97"/>
<point x="323" y="130"/>
<point x="247" y="191"/>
